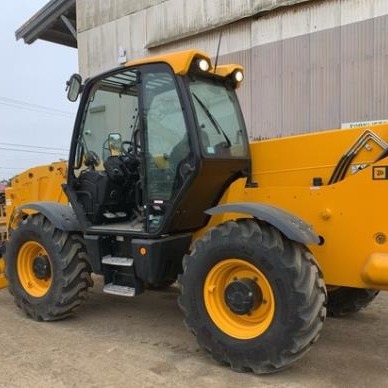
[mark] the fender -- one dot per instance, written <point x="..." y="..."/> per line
<point x="61" y="216"/>
<point x="289" y="224"/>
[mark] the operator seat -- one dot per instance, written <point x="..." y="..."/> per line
<point x="109" y="195"/>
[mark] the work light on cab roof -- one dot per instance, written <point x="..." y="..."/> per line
<point x="203" y="64"/>
<point x="238" y="76"/>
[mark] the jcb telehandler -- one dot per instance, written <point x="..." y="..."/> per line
<point x="162" y="184"/>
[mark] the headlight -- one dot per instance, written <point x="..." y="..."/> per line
<point x="203" y="64"/>
<point x="238" y="76"/>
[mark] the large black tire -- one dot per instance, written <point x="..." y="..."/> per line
<point x="55" y="294"/>
<point x="343" y="301"/>
<point x="298" y="291"/>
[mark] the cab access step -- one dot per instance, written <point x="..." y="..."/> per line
<point x="119" y="276"/>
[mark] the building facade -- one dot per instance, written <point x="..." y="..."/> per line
<point x="310" y="64"/>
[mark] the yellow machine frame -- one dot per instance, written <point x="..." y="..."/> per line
<point x="293" y="174"/>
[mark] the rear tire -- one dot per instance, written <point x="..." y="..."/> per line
<point x="343" y="301"/>
<point x="47" y="269"/>
<point x="276" y="333"/>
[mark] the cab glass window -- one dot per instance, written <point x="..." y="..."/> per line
<point x="167" y="140"/>
<point x="222" y="129"/>
<point x="112" y="109"/>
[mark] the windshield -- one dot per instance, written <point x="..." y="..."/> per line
<point x="223" y="132"/>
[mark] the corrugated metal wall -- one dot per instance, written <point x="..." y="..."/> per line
<point x="308" y="67"/>
<point x="321" y="80"/>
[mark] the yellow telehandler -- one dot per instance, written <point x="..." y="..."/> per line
<point x="162" y="184"/>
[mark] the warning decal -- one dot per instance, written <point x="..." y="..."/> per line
<point x="380" y="172"/>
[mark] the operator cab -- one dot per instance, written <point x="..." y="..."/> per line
<point x="153" y="149"/>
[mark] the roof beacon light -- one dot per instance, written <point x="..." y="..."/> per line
<point x="203" y="64"/>
<point x="239" y="76"/>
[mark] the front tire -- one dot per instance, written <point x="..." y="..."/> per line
<point x="254" y="299"/>
<point x="47" y="269"/>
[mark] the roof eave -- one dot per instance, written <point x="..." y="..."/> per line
<point x="38" y="26"/>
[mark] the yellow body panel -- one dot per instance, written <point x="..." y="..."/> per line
<point x="225" y="70"/>
<point x="42" y="183"/>
<point x="350" y="215"/>
<point x="296" y="160"/>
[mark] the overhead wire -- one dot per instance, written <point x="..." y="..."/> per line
<point x="32" y="151"/>
<point x="19" y="159"/>
<point x="37" y="110"/>
<point x="34" y="146"/>
<point x="22" y="102"/>
<point x="19" y="104"/>
<point x="38" y="151"/>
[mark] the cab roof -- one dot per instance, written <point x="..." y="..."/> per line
<point x="181" y="62"/>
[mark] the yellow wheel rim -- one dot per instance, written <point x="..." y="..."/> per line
<point x="246" y="326"/>
<point x="34" y="285"/>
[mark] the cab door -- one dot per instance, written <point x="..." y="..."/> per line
<point x="168" y="152"/>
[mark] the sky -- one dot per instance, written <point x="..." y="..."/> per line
<point x="34" y="111"/>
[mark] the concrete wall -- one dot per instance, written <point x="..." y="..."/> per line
<point x="309" y="66"/>
<point x="139" y="26"/>
<point x="170" y="20"/>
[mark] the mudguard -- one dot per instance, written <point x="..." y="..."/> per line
<point x="289" y="224"/>
<point x="61" y="216"/>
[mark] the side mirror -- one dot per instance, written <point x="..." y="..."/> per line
<point x="74" y="87"/>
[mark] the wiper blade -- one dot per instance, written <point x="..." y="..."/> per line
<point x="213" y="120"/>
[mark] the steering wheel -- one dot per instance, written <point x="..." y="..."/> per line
<point x="92" y="159"/>
<point x="127" y="147"/>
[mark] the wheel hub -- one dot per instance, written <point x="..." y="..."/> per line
<point x="243" y="296"/>
<point x="41" y="267"/>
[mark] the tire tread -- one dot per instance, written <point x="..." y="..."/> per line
<point x="307" y="281"/>
<point x="74" y="266"/>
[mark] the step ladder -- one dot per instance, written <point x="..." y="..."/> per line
<point x="120" y="276"/>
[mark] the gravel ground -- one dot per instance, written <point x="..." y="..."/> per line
<point x="141" y="342"/>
